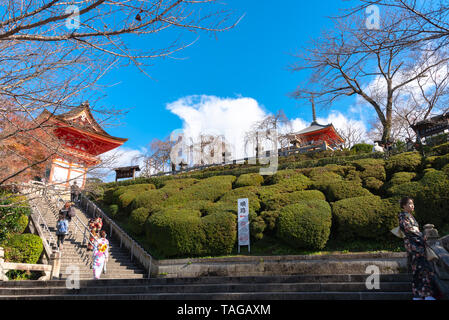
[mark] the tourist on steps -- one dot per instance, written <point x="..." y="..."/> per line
<point x="95" y="226"/>
<point x="101" y="254"/>
<point x="62" y="227"/>
<point x="415" y="244"/>
<point x="75" y="193"/>
<point x="68" y="211"/>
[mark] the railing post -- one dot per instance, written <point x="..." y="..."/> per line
<point x="3" y="276"/>
<point x="55" y="260"/>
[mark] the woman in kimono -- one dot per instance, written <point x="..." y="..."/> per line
<point x="95" y="226"/>
<point x="415" y="244"/>
<point x="101" y="254"/>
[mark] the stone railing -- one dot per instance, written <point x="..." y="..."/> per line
<point x="6" y="266"/>
<point x="38" y="225"/>
<point x="136" y="251"/>
<point x="440" y="246"/>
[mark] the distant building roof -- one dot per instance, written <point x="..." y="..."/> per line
<point x="137" y="168"/>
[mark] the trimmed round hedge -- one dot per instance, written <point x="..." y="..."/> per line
<point x="177" y="233"/>
<point x="305" y="225"/>
<point x="345" y="189"/>
<point x="321" y="181"/>
<point x="24" y="248"/>
<point x="249" y="179"/>
<point x="368" y="217"/>
<point x="402" y="177"/>
<point x="408" y="161"/>
<point x="373" y="184"/>
<point x="151" y="200"/>
<point x="210" y="189"/>
<point x="278" y="201"/>
<point x="137" y="220"/>
<point x="289" y="180"/>
<point x="374" y="168"/>
<point x="432" y="198"/>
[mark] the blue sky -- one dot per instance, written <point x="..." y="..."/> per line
<point x="251" y="61"/>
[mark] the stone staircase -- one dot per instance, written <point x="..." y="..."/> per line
<point x="296" y="287"/>
<point x="75" y="254"/>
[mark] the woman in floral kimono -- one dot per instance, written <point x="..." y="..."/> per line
<point x="415" y="244"/>
<point x="95" y="226"/>
<point x="101" y="254"/>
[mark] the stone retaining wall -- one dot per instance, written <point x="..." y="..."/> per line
<point x="356" y="263"/>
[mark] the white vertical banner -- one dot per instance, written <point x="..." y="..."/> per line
<point x="243" y="223"/>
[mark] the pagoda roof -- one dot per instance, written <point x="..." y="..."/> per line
<point x="81" y="119"/>
<point x="314" y="126"/>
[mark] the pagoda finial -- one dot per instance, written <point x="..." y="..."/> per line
<point x="312" y="100"/>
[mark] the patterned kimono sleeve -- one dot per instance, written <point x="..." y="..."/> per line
<point x="408" y="226"/>
<point x="107" y="250"/>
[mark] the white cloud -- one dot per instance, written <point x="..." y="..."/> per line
<point x="230" y="117"/>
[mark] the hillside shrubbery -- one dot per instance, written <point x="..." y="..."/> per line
<point x="195" y="214"/>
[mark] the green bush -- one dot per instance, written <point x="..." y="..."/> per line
<point x="283" y="199"/>
<point x="271" y="220"/>
<point x="441" y="149"/>
<point x="367" y="217"/>
<point x="323" y="180"/>
<point x="339" y="169"/>
<point x="151" y="200"/>
<point x="251" y="193"/>
<point x="257" y="227"/>
<point x="408" y="189"/>
<point x="402" y="177"/>
<point x="371" y="168"/>
<point x="14" y="211"/>
<point x="23" y="248"/>
<point x="362" y="148"/>
<point x="177" y="234"/>
<point x="249" y="179"/>
<point x="171" y="187"/>
<point x="373" y="184"/>
<point x="345" y="189"/>
<point x="113" y="210"/>
<point x="289" y="180"/>
<point x="354" y="176"/>
<point x="137" y="220"/>
<point x="440" y="162"/>
<point x="432" y="198"/>
<point x="210" y="189"/>
<point x="305" y="225"/>
<point x="220" y="232"/>
<point x="408" y="161"/>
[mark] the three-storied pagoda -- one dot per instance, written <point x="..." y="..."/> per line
<point x="82" y="140"/>
<point x="317" y="134"/>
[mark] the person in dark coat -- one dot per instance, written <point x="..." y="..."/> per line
<point x="415" y="244"/>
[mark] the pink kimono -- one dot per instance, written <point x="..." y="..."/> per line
<point x="101" y="254"/>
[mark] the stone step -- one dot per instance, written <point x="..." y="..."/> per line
<point x="225" y="296"/>
<point x="213" y="288"/>
<point x="338" y="278"/>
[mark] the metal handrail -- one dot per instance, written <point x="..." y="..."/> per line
<point x="76" y="221"/>
<point x="40" y="220"/>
